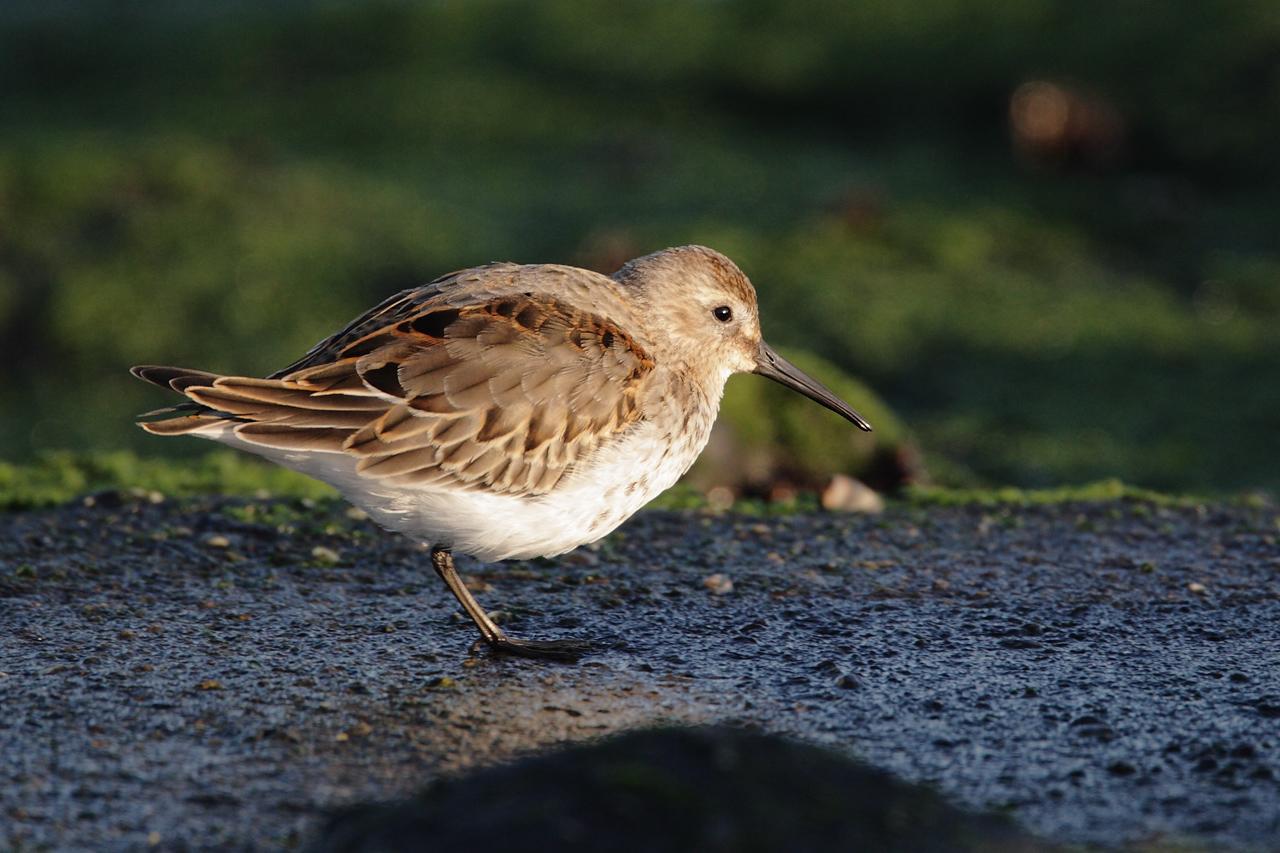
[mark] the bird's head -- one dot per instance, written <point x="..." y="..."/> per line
<point x="704" y="308"/>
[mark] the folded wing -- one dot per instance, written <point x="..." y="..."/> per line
<point x="505" y="394"/>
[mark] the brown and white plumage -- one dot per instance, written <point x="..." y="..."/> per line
<point x="503" y="395"/>
<point x="506" y="410"/>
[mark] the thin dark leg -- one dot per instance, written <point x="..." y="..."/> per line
<point x="566" y="650"/>
<point x="442" y="562"/>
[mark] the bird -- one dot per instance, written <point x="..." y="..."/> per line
<point x="504" y="411"/>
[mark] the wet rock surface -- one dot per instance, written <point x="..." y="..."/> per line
<point x="226" y="673"/>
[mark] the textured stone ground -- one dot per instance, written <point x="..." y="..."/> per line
<point x="224" y="673"/>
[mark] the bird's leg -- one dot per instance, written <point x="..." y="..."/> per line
<point x="442" y="562"/>
<point x="566" y="650"/>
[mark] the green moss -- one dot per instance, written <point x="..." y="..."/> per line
<point x="680" y="496"/>
<point x="57" y="477"/>
<point x="286" y="517"/>
<point x="1101" y="491"/>
<point x="60" y="476"/>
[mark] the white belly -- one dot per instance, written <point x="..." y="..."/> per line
<point x="585" y="506"/>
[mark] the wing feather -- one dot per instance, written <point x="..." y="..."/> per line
<point x="506" y="392"/>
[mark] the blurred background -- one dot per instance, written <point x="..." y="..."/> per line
<point x="1036" y="242"/>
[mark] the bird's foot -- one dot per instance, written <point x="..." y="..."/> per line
<point x="566" y="651"/>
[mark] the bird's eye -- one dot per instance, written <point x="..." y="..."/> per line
<point x="724" y="313"/>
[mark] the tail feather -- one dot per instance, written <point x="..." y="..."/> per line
<point x="272" y="413"/>
<point x="180" y="425"/>
<point x="173" y="378"/>
<point x="183" y="418"/>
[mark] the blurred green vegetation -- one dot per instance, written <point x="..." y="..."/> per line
<point x="221" y="185"/>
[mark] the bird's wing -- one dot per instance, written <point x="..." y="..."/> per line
<point x="504" y="394"/>
<point x="474" y="284"/>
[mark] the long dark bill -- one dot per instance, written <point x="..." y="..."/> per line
<point x="777" y="368"/>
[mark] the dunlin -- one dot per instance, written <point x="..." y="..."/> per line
<point x="505" y="411"/>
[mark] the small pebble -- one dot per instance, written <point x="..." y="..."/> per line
<point x="1197" y="588"/>
<point x="355" y="513"/>
<point x="217" y="541"/>
<point x="845" y="494"/>
<point x="321" y="554"/>
<point x="718" y="584"/>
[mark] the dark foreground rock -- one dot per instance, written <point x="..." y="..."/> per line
<point x="227" y="674"/>
<point x="710" y="789"/>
